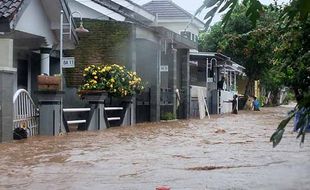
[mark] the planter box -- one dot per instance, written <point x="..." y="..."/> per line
<point x="49" y="82"/>
<point x="93" y="96"/>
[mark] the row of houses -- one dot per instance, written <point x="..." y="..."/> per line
<point x="158" y="40"/>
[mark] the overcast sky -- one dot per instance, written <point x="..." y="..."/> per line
<point x="192" y="5"/>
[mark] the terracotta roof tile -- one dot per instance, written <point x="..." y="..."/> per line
<point x="9" y="7"/>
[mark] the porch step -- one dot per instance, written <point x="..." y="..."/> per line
<point x="76" y="109"/>
<point x="114" y="118"/>
<point x="76" y="121"/>
<point x="113" y="108"/>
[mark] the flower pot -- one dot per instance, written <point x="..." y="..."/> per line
<point x="93" y="96"/>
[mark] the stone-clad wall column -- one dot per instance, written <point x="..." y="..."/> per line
<point x="185" y="82"/>
<point x="7" y="74"/>
<point x="172" y="78"/>
<point x="133" y="53"/>
<point x="155" y="87"/>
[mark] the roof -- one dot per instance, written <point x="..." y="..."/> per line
<point x="132" y="11"/>
<point x="8" y="8"/>
<point x="205" y="55"/>
<point x="166" y="9"/>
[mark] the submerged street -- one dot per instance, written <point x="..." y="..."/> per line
<point x="224" y="152"/>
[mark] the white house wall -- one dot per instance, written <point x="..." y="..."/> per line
<point x="177" y="27"/>
<point x="85" y="11"/>
<point x="35" y="21"/>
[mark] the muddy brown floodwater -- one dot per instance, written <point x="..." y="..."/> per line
<point x="224" y="152"/>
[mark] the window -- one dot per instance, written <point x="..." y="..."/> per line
<point x="186" y="34"/>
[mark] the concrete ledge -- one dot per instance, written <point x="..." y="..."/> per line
<point x="8" y="70"/>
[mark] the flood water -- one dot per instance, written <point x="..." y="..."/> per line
<point x="224" y="152"/>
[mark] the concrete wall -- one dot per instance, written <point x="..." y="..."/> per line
<point x="148" y="60"/>
<point x="6" y="53"/>
<point x="7" y="75"/>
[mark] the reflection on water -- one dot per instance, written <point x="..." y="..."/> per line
<point x="192" y="154"/>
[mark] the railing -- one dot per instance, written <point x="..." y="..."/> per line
<point x="25" y="112"/>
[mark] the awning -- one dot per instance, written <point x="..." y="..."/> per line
<point x="221" y="60"/>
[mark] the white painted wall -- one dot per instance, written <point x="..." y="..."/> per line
<point x="35" y="21"/>
<point x="85" y="11"/>
<point x="177" y="27"/>
<point x="145" y="34"/>
<point x="6" y="53"/>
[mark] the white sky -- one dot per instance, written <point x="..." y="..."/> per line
<point x="192" y="5"/>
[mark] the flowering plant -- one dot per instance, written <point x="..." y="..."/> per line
<point x="114" y="79"/>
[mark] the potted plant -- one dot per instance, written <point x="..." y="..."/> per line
<point x="93" y="86"/>
<point x="114" y="79"/>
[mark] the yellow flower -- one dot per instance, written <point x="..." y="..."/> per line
<point x="86" y="69"/>
<point x="112" y="80"/>
<point x="108" y="68"/>
<point x="95" y="77"/>
<point x="94" y="73"/>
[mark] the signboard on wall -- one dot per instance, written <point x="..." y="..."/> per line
<point x="164" y="68"/>
<point x="68" y="62"/>
<point x="210" y="79"/>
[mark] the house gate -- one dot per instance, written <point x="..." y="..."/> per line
<point x="25" y="112"/>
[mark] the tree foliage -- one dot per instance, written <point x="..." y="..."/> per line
<point x="275" y="50"/>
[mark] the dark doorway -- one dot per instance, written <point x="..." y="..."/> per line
<point x="22" y="74"/>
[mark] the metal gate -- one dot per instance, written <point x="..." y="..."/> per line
<point x="143" y="106"/>
<point x="25" y="112"/>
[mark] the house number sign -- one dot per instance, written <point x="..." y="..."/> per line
<point x="164" y="68"/>
<point x="68" y="62"/>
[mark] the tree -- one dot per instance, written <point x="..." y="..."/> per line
<point x="292" y="56"/>
<point x="291" y="60"/>
<point x="246" y="44"/>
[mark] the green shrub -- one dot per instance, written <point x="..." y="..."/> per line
<point x="168" y="116"/>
